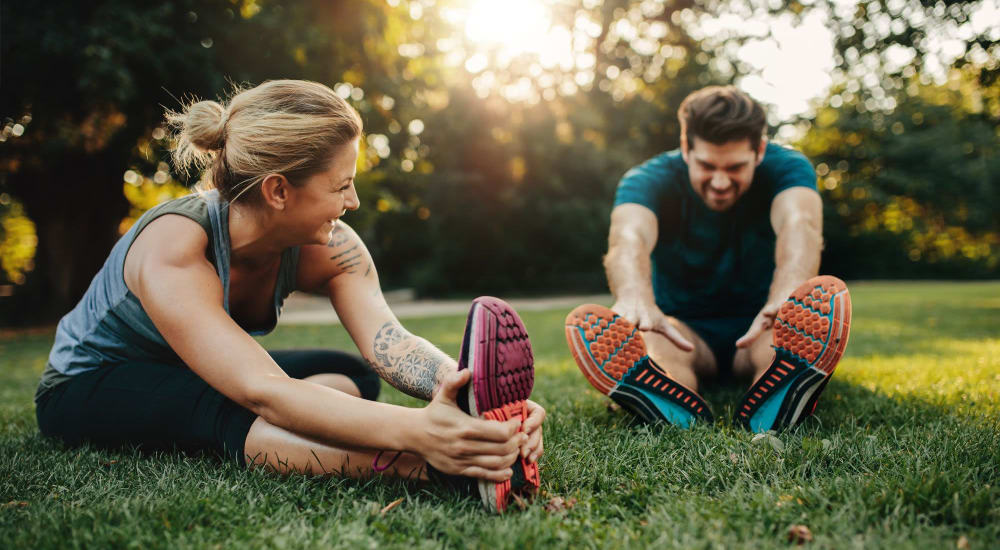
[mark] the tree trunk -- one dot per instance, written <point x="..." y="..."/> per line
<point x="77" y="208"/>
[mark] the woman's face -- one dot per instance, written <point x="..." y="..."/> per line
<point x="327" y="196"/>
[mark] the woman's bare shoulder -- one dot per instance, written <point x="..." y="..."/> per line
<point x="169" y="240"/>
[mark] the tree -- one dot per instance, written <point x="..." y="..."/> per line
<point x="913" y="191"/>
<point x="98" y="110"/>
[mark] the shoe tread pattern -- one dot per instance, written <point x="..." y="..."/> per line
<point x="611" y="353"/>
<point x="810" y="333"/>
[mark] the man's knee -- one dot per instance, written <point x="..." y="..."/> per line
<point x="700" y="360"/>
<point x="749" y="362"/>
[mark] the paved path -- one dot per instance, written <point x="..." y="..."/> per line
<point x="304" y="309"/>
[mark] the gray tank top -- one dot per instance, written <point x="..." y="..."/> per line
<point x="109" y="325"/>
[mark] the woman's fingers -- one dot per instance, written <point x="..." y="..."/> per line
<point x="494" y="462"/>
<point x="536" y="415"/>
<point x="491" y="430"/>
<point x="531" y="449"/>
<point x="471" y="448"/>
<point x="451" y="385"/>
<point x="487" y="474"/>
<point x="536" y="452"/>
<point x="533" y="446"/>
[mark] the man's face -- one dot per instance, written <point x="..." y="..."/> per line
<point x="720" y="174"/>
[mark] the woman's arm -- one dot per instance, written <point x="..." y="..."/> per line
<point x="180" y="291"/>
<point x="344" y="270"/>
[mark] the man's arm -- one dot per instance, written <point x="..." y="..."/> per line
<point x="633" y="234"/>
<point x="797" y="219"/>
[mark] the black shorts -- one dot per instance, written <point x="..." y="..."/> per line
<point x="721" y="334"/>
<point x="163" y="407"/>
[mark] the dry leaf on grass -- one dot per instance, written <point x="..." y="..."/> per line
<point x="558" y="504"/>
<point x="391" y="505"/>
<point x="769" y="439"/>
<point x="962" y="542"/>
<point x="16" y="504"/>
<point x="799" y="534"/>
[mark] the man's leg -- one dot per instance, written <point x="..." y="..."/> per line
<point x="750" y="363"/>
<point x="687" y="367"/>
<point x="655" y="383"/>
<point x="809" y="336"/>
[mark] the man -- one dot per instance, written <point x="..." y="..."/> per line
<point x="713" y="252"/>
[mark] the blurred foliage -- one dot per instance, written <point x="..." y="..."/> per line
<point x="915" y="191"/>
<point x="882" y="44"/>
<point x="17" y="243"/>
<point x="484" y="170"/>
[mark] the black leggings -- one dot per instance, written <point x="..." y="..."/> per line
<point x="162" y="407"/>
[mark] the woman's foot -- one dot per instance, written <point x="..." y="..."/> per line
<point x="612" y="355"/>
<point x="497" y="351"/>
<point x="810" y="334"/>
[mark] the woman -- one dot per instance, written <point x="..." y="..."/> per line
<point x="159" y="351"/>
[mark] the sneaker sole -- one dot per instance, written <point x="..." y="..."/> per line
<point x="497" y="350"/>
<point x="810" y="334"/>
<point x="611" y="354"/>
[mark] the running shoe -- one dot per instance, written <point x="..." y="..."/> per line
<point x="612" y="355"/>
<point x="810" y="334"/>
<point x="497" y="350"/>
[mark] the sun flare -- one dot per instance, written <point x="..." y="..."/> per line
<point x="517" y="26"/>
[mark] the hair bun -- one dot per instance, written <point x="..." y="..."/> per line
<point x="205" y="125"/>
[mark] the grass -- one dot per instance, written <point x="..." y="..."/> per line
<point x="904" y="452"/>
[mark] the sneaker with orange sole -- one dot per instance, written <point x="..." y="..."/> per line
<point x="497" y="351"/>
<point x="612" y="356"/>
<point x="810" y="334"/>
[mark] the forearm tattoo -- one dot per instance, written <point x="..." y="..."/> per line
<point x="409" y="363"/>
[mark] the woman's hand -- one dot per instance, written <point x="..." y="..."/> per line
<point x="456" y="443"/>
<point x="533" y="447"/>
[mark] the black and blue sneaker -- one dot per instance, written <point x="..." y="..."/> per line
<point x="612" y="355"/>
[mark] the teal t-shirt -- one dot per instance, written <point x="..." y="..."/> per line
<point x="712" y="264"/>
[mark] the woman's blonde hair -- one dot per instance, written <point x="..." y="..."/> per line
<point x="287" y="127"/>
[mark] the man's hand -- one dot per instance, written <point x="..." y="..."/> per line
<point x="648" y="317"/>
<point x="763" y="321"/>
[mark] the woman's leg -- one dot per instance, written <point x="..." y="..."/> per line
<point x="289" y="452"/>
<point x="163" y="407"/>
<point x="151" y="405"/>
<point x="339" y="370"/>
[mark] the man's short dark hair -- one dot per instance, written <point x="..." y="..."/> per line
<point x="721" y="114"/>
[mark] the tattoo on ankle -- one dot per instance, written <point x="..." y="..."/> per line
<point x="409" y="363"/>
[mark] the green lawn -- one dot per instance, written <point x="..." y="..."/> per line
<point x="904" y="452"/>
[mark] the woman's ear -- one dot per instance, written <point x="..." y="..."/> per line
<point x="275" y="189"/>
